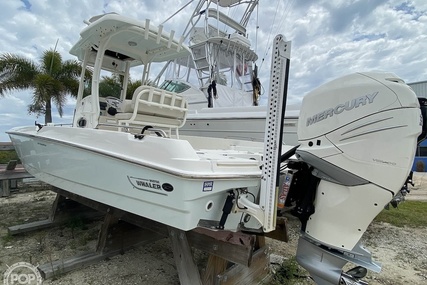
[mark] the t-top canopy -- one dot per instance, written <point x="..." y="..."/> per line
<point x="129" y="40"/>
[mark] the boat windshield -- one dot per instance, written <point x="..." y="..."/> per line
<point x="174" y="86"/>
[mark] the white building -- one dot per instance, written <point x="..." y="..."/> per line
<point x="420" y="88"/>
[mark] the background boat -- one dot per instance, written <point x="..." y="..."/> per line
<point x="220" y="78"/>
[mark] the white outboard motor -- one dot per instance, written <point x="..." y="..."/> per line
<point x="358" y="137"/>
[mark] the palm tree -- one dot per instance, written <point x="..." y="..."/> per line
<point x="111" y="86"/>
<point x="51" y="80"/>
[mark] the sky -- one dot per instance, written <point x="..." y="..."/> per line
<point x="330" y="39"/>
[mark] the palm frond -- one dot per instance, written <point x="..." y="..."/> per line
<point x="69" y="75"/>
<point x="16" y="73"/>
<point x="59" y="102"/>
<point x="51" y="62"/>
<point x="51" y="80"/>
<point x="38" y="106"/>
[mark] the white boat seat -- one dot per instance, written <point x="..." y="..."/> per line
<point x="155" y="107"/>
<point x="126" y="106"/>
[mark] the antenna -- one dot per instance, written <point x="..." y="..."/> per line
<point x="53" y="55"/>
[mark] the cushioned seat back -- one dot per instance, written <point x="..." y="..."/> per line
<point x="157" y="102"/>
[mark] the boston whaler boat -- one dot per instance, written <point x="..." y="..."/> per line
<point x="136" y="160"/>
<point x="356" y="150"/>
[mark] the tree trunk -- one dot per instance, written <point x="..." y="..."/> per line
<point x="48" y="114"/>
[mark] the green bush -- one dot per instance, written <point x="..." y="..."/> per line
<point x="7" y="155"/>
<point x="289" y="273"/>
<point x="409" y="213"/>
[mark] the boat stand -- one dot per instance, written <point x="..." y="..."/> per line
<point x="234" y="257"/>
<point x="9" y="176"/>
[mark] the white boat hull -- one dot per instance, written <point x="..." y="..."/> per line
<point x="169" y="183"/>
<point x="237" y="123"/>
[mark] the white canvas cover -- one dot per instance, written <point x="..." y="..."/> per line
<point x="228" y="97"/>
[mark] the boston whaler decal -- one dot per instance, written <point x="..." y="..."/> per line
<point x="149" y="185"/>
<point x="167" y="187"/>
<point x="338" y="109"/>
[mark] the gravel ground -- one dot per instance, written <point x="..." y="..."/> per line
<point x="401" y="251"/>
